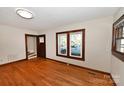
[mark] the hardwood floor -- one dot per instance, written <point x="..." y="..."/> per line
<point x="48" y="72"/>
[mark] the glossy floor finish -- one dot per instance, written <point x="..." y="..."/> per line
<point x="47" y="72"/>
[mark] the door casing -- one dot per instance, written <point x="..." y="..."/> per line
<point x="37" y="44"/>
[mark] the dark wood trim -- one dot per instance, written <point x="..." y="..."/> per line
<point x="57" y="44"/>
<point x="116" y="22"/>
<point x="117" y="54"/>
<point x="112" y="45"/>
<point x="83" y="42"/>
<point x="77" y="30"/>
<point x="68" y="44"/>
<point x="13" y="62"/>
<point x="32" y="35"/>
<point x="80" y="66"/>
<point x="26" y="46"/>
<point x="45" y="43"/>
<point x="37" y="45"/>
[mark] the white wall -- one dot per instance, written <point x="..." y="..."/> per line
<point x="12" y="43"/>
<point x="98" y="43"/>
<point x="117" y="65"/>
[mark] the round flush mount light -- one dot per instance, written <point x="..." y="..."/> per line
<point x="24" y="13"/>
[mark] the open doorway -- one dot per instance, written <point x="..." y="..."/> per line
<point x="35" y="46"/>
<point x="31" y="46"/>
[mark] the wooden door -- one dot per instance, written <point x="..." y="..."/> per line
<point x="41" y="46"/>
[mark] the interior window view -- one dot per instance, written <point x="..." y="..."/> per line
<point x="62" y="46"/>
<point x="118" y="38"/>
<point x="71" y="44"/>
<point x="75" y="44"/>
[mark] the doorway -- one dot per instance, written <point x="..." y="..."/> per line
<point x="31" y="46"/>
<point x="35" y="46"/>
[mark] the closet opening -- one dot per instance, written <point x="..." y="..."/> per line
<point x="31" y="46"/>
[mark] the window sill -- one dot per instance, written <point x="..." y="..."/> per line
<point x="81" y="59"/>
<point x="118" y="55"/>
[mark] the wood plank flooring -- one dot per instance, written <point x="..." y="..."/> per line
<point x="45" y="72"/>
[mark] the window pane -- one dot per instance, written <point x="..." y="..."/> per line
<point x="120" y="32"/>
<point x="62" y="44"/>
<point x="122" y="50"/>
<point x="122" y="41"/>
<point x="76" y="44"/>
<point x="123" y="31"/>
<point x="120" y="45"/>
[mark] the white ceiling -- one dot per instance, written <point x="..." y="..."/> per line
<point x="52" y="17"/>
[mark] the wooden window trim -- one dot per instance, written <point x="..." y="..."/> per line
<point x="68" y="44"/>
<point x="116" y="53"/>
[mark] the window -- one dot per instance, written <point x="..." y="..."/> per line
<point x="118" y="38"/>
<point x="62" y="44"/>
<point x="76" y="44"/>
<point x="71" y="44"/>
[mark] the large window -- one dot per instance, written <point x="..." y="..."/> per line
<point x="62" y="44"/>
<point x="71" y="44"/>
<point x="118" y="38"/>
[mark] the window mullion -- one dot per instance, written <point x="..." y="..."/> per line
<point x="68" y="44"/>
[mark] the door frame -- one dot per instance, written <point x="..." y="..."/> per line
<point x="26" y="44"/>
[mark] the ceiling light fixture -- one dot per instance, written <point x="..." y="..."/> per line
<point x="24" y="13"/>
